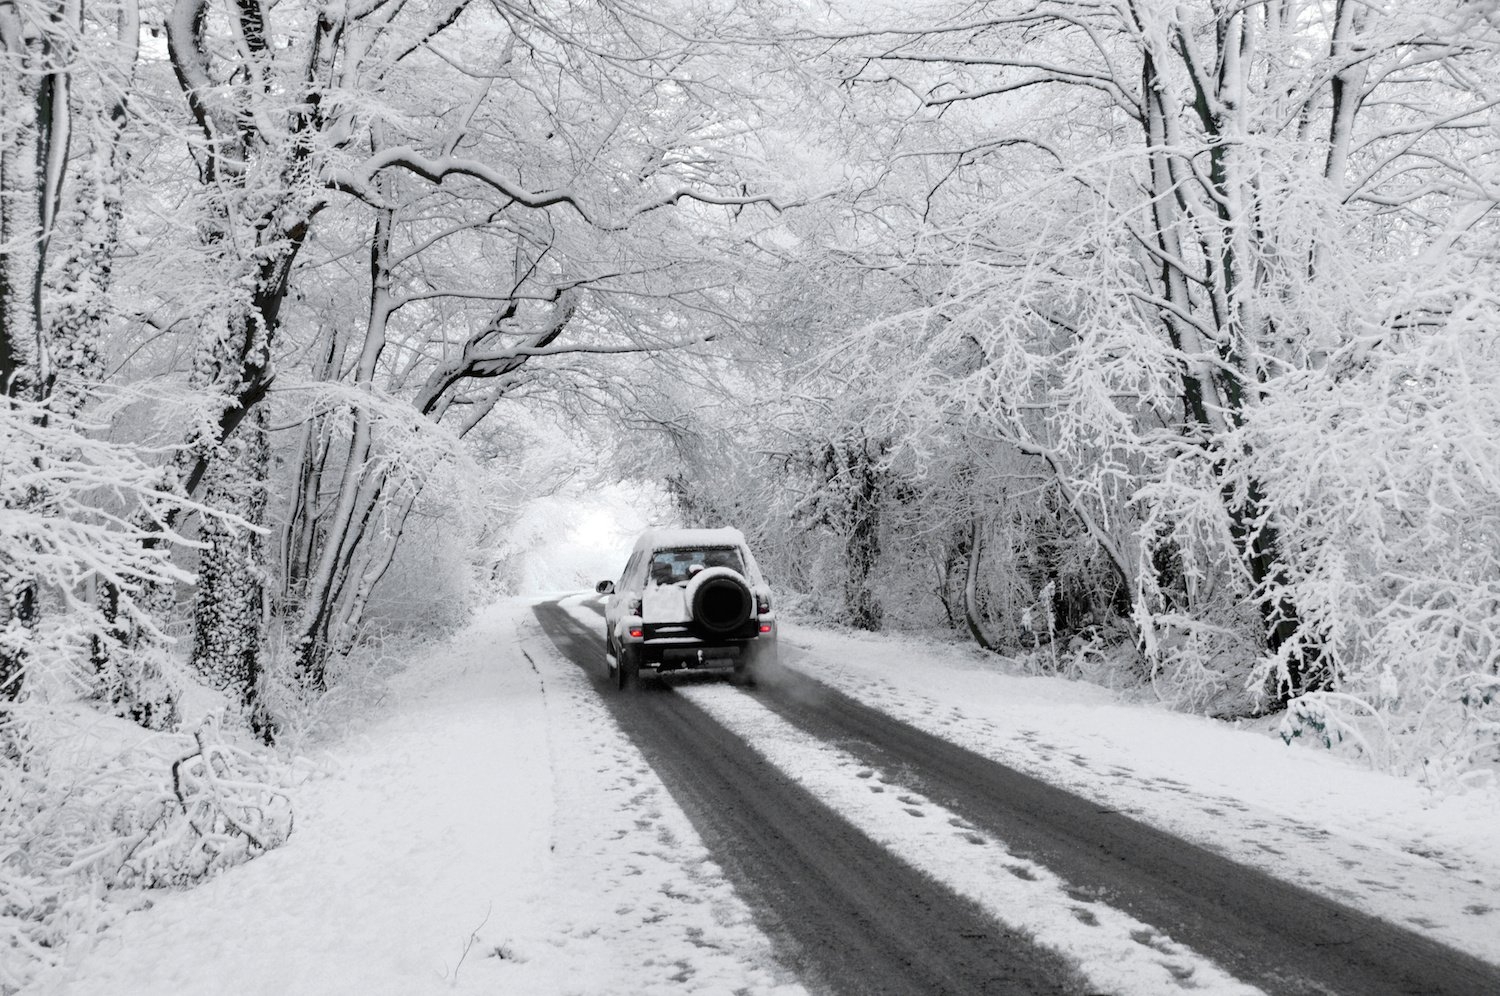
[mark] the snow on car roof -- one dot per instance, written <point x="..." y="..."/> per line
<point x="656" y="539"/>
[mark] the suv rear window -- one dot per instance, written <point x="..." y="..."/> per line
<point x="678" y="565"/>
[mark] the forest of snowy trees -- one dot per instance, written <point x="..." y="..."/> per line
<point x="1160" y="327"/>
<point x="1161" y="333"/>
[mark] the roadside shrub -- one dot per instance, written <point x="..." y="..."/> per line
<point x="84" y="830"/>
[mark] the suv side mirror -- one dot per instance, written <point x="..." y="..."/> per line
<point x="605" y="587"/>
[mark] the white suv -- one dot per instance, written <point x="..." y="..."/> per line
<point x="688" y="598"/>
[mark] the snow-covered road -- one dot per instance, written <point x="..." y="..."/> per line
<point x="495" y="831"/>
<point x="1195" y="919"/>
<point x="492" y="832"/>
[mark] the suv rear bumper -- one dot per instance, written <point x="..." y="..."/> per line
<point x="677" y="646"/>
<point x="672" y="657"/>
<point x="679" y="654"/>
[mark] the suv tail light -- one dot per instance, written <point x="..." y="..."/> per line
<point x="762" y="602"/>
<point x="634" y="608"/>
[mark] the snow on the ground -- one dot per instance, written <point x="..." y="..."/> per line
<point x="1383" y="844"/>
<point x="1104" y="943"/>
<point x="650" y="909"/>
<point x="494" y="832"/>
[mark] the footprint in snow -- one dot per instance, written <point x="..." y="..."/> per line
<point x="1149" y="938"/>
<point x="505" y="952"/>
<point x="1181" y="973"/>
<point x="1315" y="832"/>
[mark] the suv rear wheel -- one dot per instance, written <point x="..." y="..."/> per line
<point x="627" y="670"/>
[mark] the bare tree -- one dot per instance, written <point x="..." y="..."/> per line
<point x="64" y="112"/>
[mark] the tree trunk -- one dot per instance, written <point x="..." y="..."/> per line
<point x="33" y="152"/>
<point x="862" y="540"/>
<point x="234" y="361"/>
<point x="971" y="587"/>
<point x="1217" y="329"/>
<point x="230" y="609"/>
<point x="332" y="545"/>
<point x="20" y="337"/>
<point x="299" y="537"/>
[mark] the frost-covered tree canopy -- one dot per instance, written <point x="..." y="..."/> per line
<point x="1158" y="332"/>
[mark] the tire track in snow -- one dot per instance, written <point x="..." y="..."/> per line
<point x="639" y="907"/>
<point x="1118" y="953"/>
<point x="1282" y="937"/>
<point x="844" y="912"/>
<point x="1407" y="878"/>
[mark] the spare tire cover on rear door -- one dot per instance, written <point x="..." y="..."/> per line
<point x="719" y="599"/>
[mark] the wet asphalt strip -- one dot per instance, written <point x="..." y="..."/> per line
<point x="1282" y="938"/>
<point x="1263" y="930"/>
<point x="844" y="914"/>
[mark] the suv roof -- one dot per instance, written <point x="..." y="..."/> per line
<point x="666" y="539"/>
